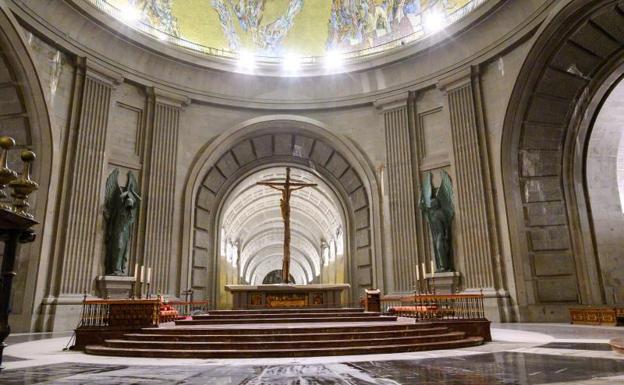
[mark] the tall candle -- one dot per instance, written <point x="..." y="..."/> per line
<point x="432" y="267"/>
<point x="142" y="273"/>
<point x="149" y="275"/>
<point x="417" y="276"/>
<point x="136" y="271"/>
<point x="423" y="269"/>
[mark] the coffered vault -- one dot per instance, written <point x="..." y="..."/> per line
<point x="252" y="232"/>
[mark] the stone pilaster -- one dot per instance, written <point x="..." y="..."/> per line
<point x="80" y="250"/>
<point x="472" y="185"/>
<point x="402" y="197"/>
<point x="161" y="177"/>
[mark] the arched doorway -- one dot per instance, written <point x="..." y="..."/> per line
<point x="604" y="179"/>
<point x="251" y="232"/>
<point x="574" y="61"/>
<point x="24" y="116"/>
<point x="275" y="142"/>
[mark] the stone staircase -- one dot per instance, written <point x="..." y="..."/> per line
<point x="284" y="333"/>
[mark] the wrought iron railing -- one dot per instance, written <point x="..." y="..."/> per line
<point x="186" y="309"/>
<point x="434" y="307"/>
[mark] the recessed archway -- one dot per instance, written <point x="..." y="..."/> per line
<point x="573" y="63"/>
<point x="279" y="141"/>
<point x="251" y="232"/>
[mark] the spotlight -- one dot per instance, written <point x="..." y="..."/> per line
<point x="333" y="60"/>
<point x="130" y="14"/>
<point x="434" y="21"/>
<point x="246" y="60"/>
<point x="291" y="63"/>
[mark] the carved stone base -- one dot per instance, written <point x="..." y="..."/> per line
<point x="444" y="283"/>
<point x="114" y="286"/>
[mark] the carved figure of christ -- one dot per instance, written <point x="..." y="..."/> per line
<point x="286" y="188"/>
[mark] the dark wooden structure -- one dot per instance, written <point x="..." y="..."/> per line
<point x="14" y="229"/>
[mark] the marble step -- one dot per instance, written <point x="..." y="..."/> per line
<point x="291" y="310"/>
<point x="246" y="329"/>
<point x="284" y="315"/>
<point x="307" y="352"/>
<point x="352" y="335"/>
<point x="284" y="320"/>
<point x="296" y="343"/>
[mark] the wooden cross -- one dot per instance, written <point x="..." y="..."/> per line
<point x="286" y="188"/>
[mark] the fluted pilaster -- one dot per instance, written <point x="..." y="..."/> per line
<point x="401" y="196"/>
<point x="80" y="248"/>
<point x="471" y="184"/>
<point x="161" y="176"/>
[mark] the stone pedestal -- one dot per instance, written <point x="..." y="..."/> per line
<point x="114" y="286"/>
<point x="444" y="283"/>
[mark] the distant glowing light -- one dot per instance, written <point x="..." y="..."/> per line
<point x="246" y="60"/>
<point x="291" y="63"/>
<point x="434" y="21"/>
<point x="130" y="14"/>
<point x="333" y="60"/>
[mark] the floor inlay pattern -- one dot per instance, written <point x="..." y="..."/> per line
<point x="501" y="368"/>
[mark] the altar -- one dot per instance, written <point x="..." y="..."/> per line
<point x="286" y="296"/>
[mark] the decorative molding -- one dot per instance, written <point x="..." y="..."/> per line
<point x="170" y="98"/>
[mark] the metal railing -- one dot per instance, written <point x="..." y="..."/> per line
<point x="124" y="312"/>
<point x="434" y="306"/>
<point x="186" y="309"/>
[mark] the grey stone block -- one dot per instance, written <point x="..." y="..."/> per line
<point x="553" y="264"/>
<point x="550" y="238"/>
<point x="546" y="213"/>
<point x="557" y="290"/>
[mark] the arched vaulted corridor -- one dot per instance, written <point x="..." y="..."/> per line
<point x="252" y="231"/>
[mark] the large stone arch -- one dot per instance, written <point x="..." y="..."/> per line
<point x="571" y="66"/>
<point x="281" y="140"/>
<point x="24" y="116"/>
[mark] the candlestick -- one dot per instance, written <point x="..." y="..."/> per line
<point x="136" y="271"/>
<point x="423" y="270"/>
<point x="149" y="275"/>
<point x="432" y="267"/>
<point x="142" y="273"/>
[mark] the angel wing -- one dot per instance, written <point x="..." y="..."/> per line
<point x="112" y="196"/>
<point x="133" y="186"/>
<point x="445" y="195"/>
<point x="425" y="192"/>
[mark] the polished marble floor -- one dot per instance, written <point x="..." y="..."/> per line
<point x="528" y="355"/>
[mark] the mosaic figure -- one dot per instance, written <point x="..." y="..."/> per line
<point x="158" y="14"/>
<point x="266" y="38"/>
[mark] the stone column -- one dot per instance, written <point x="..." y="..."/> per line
<point x="80" y="251"/>
<point x="472" y="185"/>
<point x="160" y="194"/>
<point x="401" y="193"/>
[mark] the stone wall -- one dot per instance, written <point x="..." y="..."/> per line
<point x="115" y="104"/>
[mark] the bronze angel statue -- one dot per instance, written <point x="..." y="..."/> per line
<point x="436" y="205"/>
<point x="121" y="206"/>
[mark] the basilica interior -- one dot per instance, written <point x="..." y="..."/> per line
<point x="312" y="192"/>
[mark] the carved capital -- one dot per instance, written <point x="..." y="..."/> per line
<point x="392" y="102"/>
<point x="458" y="79"/>
<point x="170" y="98"/>
<point x="99" y="72"/>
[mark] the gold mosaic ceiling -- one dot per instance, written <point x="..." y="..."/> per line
<point x="276" y="28"/>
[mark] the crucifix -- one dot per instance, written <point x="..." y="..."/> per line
<point x="286" y="188"/>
